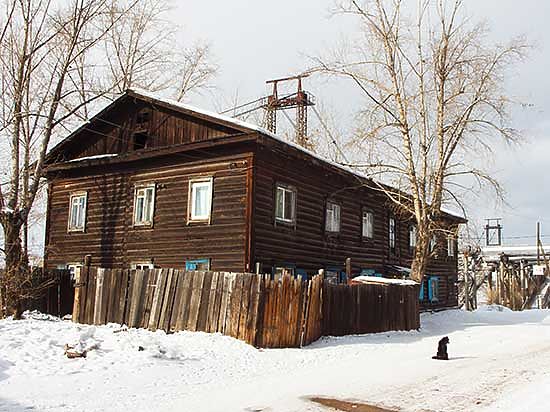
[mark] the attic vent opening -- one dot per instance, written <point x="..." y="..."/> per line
<point x="143" y="118"/>
<point x="140" y="140"/>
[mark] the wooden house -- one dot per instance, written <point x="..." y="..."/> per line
<point x="154" y="183"/>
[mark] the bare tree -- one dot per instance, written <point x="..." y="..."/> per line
<point x="434" y="100"/>
<point x="41" y="46"/>
<point x="143" y="51"/>
<point x="57" y="59"/>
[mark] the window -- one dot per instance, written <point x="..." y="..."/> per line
<point x="279" y="271"/>
<point x="142" y="265"/>
<point x="285" y="204"/>
<point x="140" y="140"/>
<point x="368" y="225"/>
<point x="74" y="270"/>
<point x="144" y="205"/>
<point x="391" y="230"/>
<point x="433" y="288"/>
<point x="332" y="222"/>
<point x="412" y="236"/>
<point x="450" y="246"/>
<point x="77" y="212"/>
<point x="200" y="199"/>
<point x="433" y="243"/>
<point x="197" y="264"/>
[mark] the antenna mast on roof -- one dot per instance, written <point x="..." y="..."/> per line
<point x="299" y="101"/>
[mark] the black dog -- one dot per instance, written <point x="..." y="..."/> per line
<point x="442" y="349"/>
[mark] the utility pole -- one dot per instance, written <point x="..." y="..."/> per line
<point x="538" y="243"/>
<point x="300" y="101"/>
<point x="466" y="282"/>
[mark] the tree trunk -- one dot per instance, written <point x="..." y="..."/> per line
<point x="421" y="255"/>
<point x="16" y="267"/>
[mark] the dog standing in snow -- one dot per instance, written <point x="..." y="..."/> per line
<point x="442" y="349"/>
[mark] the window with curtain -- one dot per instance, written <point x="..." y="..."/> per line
<point x="77" y="212"/>
<point x="200" y="199"/>
<point x="332" y="222"/>
<point x="285" y="204"/>
<point x="144" y="204"/>
<point x="368" y="225"/>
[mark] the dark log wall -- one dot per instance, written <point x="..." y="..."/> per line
<point x="114" y="131"/>
<point x="110" y="236"/>
<point x="307" y="245"/>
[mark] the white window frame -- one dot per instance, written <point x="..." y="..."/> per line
<point x="74" y="196"/>
<point x="148" y="188"/>
<point x="391" y="232"/>
<point x="193" y="185"/>
<point x="75" y="269"/>
<point x="286" y="191"/>
<point x="433" y="243"/>
<point x="142" y="265"/>
<point x="280" y="270"/>
<point x="333" y="220"/>
<point x="451" y="246"/>
<point x="367" y="224"/>
<point x="413" y="236"/>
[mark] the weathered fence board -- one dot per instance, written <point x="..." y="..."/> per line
<point x="289" y="312"/>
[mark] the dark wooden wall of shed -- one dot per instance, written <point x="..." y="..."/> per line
<point x="113" y="132"/>
<point x="307" y="245"/>
<point x="110" y="236"/>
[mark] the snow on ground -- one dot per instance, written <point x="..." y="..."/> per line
<point x="500" y="361"/>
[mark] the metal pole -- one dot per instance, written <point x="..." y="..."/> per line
<point x="466" y="283"/>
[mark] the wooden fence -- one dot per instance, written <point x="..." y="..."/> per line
<point x="49" y="291"/>
<point x="248" y="307"/>
<point x="369" y="308"/>
<point x="266" y="313"/>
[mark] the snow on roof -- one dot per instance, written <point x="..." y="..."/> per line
<point x="99" y="156"/>
<point x="375" y="279"/>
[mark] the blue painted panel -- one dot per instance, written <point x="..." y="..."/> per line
<point x="421" y="294"/>
<point x="193" y="264"/>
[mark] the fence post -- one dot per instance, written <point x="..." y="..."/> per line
<point x="76" y="302"/>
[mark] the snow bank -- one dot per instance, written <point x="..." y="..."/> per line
<point x="375" y="279"/>
<point x="499" y="360"/>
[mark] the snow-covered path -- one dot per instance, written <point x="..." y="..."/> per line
<point x="500" y="361"/>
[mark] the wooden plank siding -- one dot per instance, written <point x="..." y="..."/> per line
<point x="307" y="246"/>
<point x="113" y="132"/>
<point x="114" y="242"/>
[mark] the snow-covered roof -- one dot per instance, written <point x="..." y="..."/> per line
<point x="387" y="281"/>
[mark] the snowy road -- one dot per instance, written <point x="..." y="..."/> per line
<point x="500" y="361"/>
